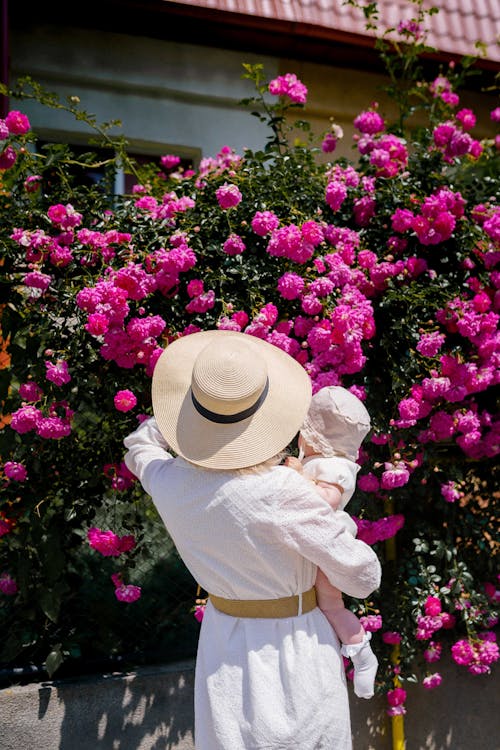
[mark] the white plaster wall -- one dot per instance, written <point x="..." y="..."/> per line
<point x="164" y="93"/>
<point x="182" y="98"/>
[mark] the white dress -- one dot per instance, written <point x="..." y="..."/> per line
<point x="260" y="684"/>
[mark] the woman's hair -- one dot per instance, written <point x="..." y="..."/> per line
<point x="256" y="469"/>
<point x="264" y="465"/>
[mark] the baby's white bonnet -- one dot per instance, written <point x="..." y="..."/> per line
<point x="337" y="423"/>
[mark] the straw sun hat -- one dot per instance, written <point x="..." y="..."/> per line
<point x="227" y="400"/>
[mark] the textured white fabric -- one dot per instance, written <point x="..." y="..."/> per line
<point x="334" y="470"/>
<point x="260" y="684"/>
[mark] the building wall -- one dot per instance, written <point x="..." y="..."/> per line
<point x="179" y="98"/>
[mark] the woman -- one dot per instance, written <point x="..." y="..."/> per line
<point x="269" y="675"/>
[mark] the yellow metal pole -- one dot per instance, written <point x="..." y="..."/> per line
<point x="397" y="722"/>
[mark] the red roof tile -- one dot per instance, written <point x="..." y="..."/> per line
<point x="454" y="30"/>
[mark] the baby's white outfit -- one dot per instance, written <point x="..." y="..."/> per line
<point x="261" y="684"/>
<point x="335" y="470"/>
<point x="342" y="472"/>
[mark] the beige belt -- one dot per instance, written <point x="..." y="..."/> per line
<point x="288" y="606"/>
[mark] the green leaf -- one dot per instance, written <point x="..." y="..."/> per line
<point x="54" y="660"/>
<point x="50" y="602"/>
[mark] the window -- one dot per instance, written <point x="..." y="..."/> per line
<point x="144" y="153"/>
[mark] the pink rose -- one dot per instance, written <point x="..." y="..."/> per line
<point x="228" y="196"/>
<point x="7" y="158"/>
<point x="108" y="543"/>
<point x="432" y="681"/>
<point x="125" y="400"/>
<point x="30" y="392"/>
<point x="169" y="161"/>
<point x="57" y="373"/>
<point x="234" y="245"/>
<point x="7" y="585"/>
<point x="15" y="471"/>
<point x="125" y="592"/>
<point x="17" y="123"/>
<point x="432" y="606"/>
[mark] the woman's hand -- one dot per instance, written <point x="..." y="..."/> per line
<point x="293" y="463"/>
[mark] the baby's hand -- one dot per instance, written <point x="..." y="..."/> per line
<point x="294" y="463"/>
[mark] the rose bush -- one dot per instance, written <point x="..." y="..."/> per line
<point x="380" y="275"/>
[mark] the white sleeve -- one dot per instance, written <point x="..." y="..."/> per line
<point x="346" y="521"/>
<point x="147" y="453"/>
<point x="307" y="524"/>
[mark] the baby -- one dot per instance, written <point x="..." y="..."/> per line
<point x="329" y="441"/>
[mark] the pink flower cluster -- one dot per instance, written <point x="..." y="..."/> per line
<point x="432" y="681"/>
<point x="433" y="619"/>
<point x="37" y="280"/>
<point x="108" y="543"/>
<point x="476" y="654"/>
<point x="370" y="122"/>
<point x="437" y="218"/>
<point x="6" y="524"/>
<point x="125" y="400"/>
<point x="265" y="222"/>
<point x="170" y="161"/>
<point x="15" y="123"/>
<point x="371" y="623"/>
<point x="201" y="300"/>
<point x="453" y="380"/>
<point x="236" y="322"/>
<point x="89" y="246"/>
<point x="387" y="153"/>
<point x="433" y="652"/>
<point x="453" y="140"/>
<point x="8" y="586"/>
<point x="58" y="372"/>
<point x="430" y="343"/>
<point x="410" y="29"/>
<point x="234" y="245"/>
<point x="127" y="593"/>
<point x="167" y="209"/>
<point x="296" y="243"/>
<point x="199" y="611"/>
<point x="226" y="161"/>
<point x="54" y="426"/>
<point x="371" y="532"/>
<point x="339" y="180"/>
<point x="121" y="477"/>
<point x="450" y="492"/>
<point x="107" y="306"/>
<point x="329" y="143"/>
<point x="441" y="88"/>
<point x="15" y="471"/>
<point x="228" y="196"/>
<point x="396" y="699"/>
<point x="98" y="246"/>
<point x="290" y="86"/>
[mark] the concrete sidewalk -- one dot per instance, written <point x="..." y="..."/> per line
<point x="152" y="709"/>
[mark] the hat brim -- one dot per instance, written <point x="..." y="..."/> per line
<point x="240" y="444"/>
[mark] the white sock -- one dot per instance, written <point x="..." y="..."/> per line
<point x="365" y="665"/>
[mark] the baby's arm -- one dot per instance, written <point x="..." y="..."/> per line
<point x="332" y="493"/>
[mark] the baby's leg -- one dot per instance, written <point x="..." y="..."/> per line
<point x="355" y="641"/>
<point x="344" y="622"/>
